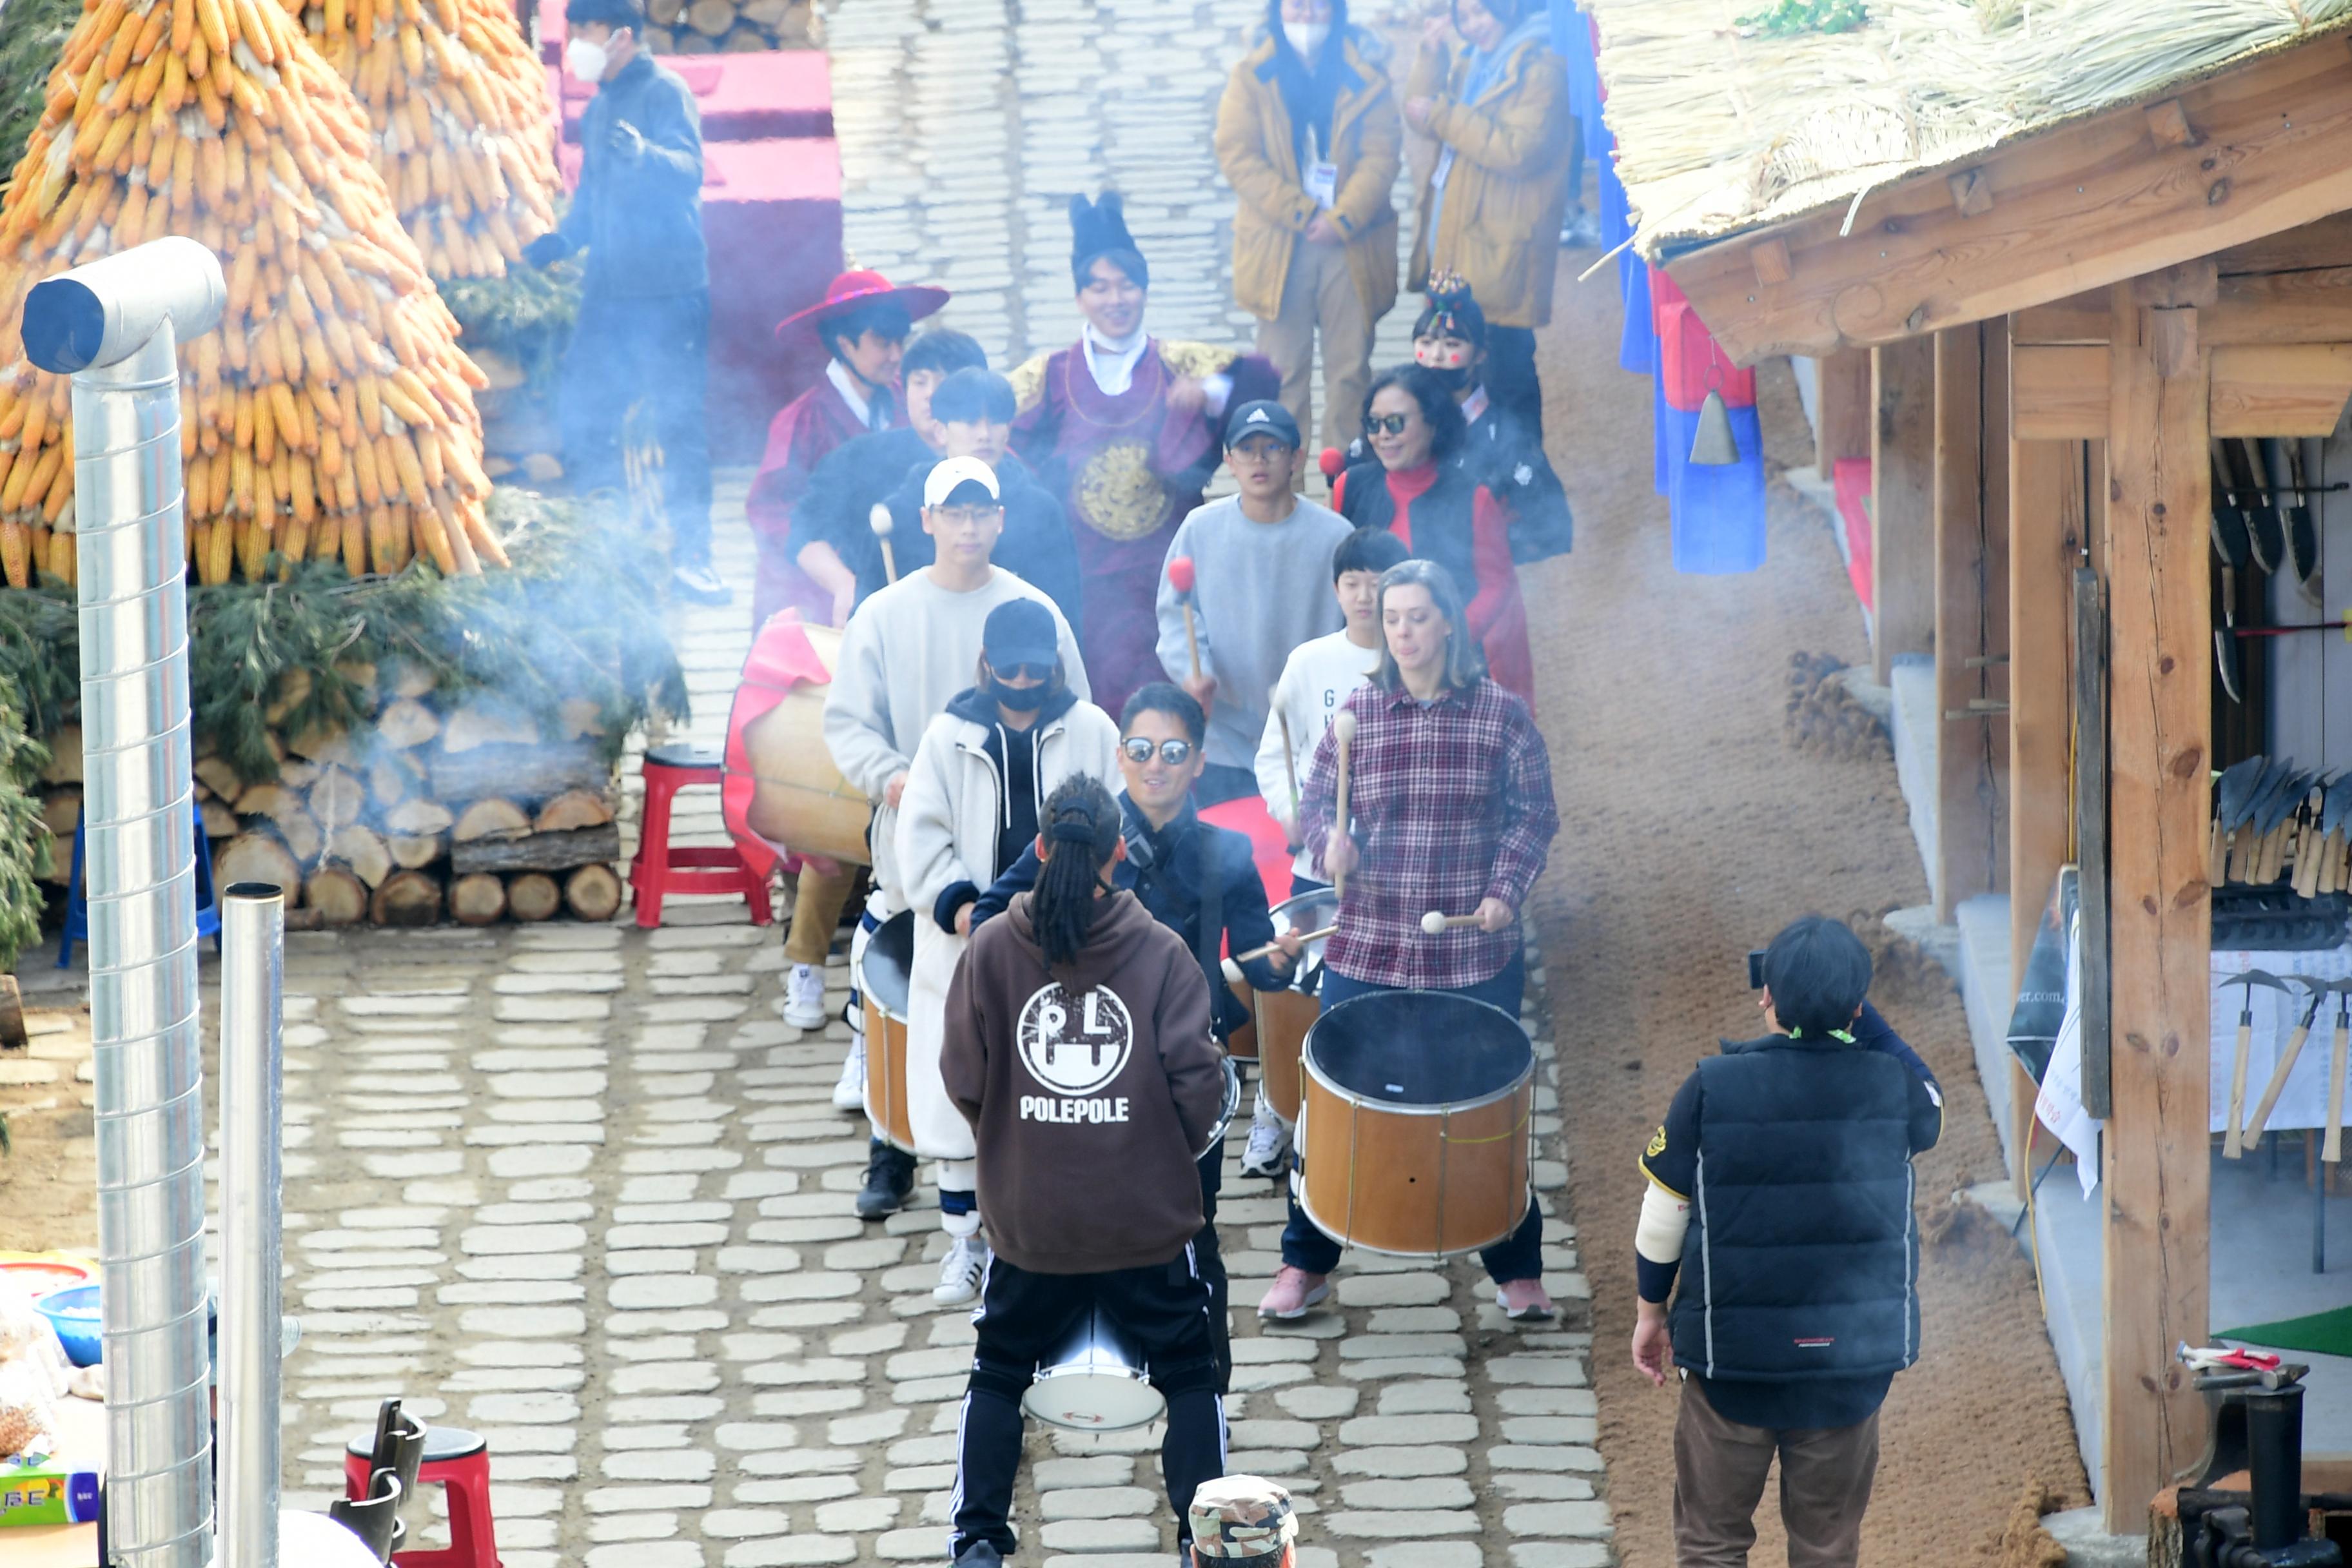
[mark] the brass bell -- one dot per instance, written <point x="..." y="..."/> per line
<point x="1714" y="443"/>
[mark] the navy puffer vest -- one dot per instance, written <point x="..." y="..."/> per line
<point x="1802" y="1259"/>
<point x="1442" y="517"/>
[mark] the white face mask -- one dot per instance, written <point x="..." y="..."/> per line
<point x="1306" y="37"/>
<point x="585" y="60"/>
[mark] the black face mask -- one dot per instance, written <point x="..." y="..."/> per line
<point x="1454" y="380"/>
<point x="1020" y="699"/>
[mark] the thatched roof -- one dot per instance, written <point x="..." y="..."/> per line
<point x="1718" y="132"/>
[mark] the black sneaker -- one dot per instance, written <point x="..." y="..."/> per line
<point x="980" y="1554"/>
<point x="889" y="1177"/>
<point x="695" y="580"/>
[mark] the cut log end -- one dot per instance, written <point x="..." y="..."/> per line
<point x="339" y="898"/>
<point x="593" y="893"/>
<point x="491" y="818"/>
<point x="572" y="808"/>
<point x="406" y="898"/>
<point x="477" y="899"/>
<point x="260" y="858"/>
<point x="534" y="896"/>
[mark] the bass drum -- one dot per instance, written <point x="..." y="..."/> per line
<point x="799" y="799"/>
<point x="1285" y="1016"/>
<point x="885" y="978"/>
<point x="1413" y="1133"/>
<point x="1095" y="1383"/>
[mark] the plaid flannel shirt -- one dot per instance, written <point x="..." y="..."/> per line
<point x="1451" y="804"/>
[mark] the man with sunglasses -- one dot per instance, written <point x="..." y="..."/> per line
<point x="1196" y="878"/>
<point x="904" y="654"/>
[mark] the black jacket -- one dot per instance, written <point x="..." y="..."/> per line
<point x="1036" y="546"/>
<point x="1165" y="872"/>
<point x="640" y="219"/>
<point x="1499" y="455"/>
<point x="843" y="490"/>
<point x="1802" y="1259"/>
<point x="1444" y="517"/>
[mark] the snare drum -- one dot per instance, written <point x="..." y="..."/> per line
<point x="1095" y="1383"/>
<point x="1414" y="1131"/>
<point x="799" y="798"/>
<point x="1227" y="1111"/>
<point x="1284" y="1017"/>
<point x="885" y="978"/>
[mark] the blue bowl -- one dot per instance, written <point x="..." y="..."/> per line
<point x="75" y="1315"/>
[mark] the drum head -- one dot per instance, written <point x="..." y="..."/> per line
<point x="1080" y="1400"/>
<point x="1419" y="1049"/>
<point x="1308" y="912"/>
<point x="1230" y="1108"/>
<point x="886" y="971"/>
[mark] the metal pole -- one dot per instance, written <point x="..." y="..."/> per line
<point x="113" y="326"/>
<point x="253" y="975"/>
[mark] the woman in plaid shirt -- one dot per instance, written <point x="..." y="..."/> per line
<point x="1451" y="809"/>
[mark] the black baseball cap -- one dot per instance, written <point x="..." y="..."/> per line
<point x="1020" y="631"/>
<point x="1263" y="417"/>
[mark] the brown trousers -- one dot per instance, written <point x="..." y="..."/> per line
<point x="817" y="903"/>
<point x="1719" y="1471"/>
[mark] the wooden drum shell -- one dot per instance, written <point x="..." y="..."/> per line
<point x="799" y="798"/>
<point x="1414" y="1180"/>
<point x="1283" y="1019"/>
<point x="885" y="968"/>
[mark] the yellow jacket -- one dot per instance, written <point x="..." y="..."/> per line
<point x="1254" y="148"/>
<point x="1498" y="225"/>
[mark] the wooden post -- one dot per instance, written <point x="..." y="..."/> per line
<point x="1842" y="416"/>
<point x="2160" y="629"/>
<point x="1971" y="606"/>
<point x="1902" y="502"/>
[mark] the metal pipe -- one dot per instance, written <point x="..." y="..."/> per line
<point x="253" y="975"/>
<point x="114" y="326"/>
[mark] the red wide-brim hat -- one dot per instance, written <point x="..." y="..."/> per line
<point x="860" y="286"/>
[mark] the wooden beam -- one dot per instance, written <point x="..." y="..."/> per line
<point x="2076" y="319"/>
<point x="2079" y="206"/>
<point x="2158" y="1259"/>
<point x="2059" y="394"/>
<point x="1902" y="503"/>
<point x="1971" y="622"/>
<point x="2281" y="389"/>
<point x="2309" y="307"/>
<point x="1842" y="410"/>
<point x="2323" y="242"/>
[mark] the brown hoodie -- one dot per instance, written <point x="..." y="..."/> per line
<point x="1089" y="1091"/>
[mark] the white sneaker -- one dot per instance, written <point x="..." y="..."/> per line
<point x="849" y="1091"/>
<point x="961" y="1271"/>
<point x="805" y="996"/>
<point x="1269" y="1153"/>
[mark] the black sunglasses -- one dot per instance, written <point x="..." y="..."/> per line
<point x="1386" y="424"/>
<point x="1037" y="673"/>
<point x="1173" y="752"/>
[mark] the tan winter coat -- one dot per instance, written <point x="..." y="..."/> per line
<point x="1254" y="149"/>
<point x="1500" y="224"/>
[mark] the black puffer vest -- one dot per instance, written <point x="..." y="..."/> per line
<point x="1801" y="1260"/>
<point x="1442" y="517"/>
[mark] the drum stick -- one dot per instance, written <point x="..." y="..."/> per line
<point x="1290" y="768"/>
<point x="880" y="520"/>
<point x="1181" y="578"/>
<point x="1343" y="734"/>
<point x="1270" y="949"/>
<point x="1437" y="922"/>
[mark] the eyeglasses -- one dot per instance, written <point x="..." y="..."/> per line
<point x="1035" y="674"/>
<point x="1386" y="424"/>
<point x="1175" y="753"/>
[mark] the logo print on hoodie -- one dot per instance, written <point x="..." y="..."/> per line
<point x="1075" y="1045"/>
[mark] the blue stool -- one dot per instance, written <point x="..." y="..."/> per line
<point x="78" y="904"/>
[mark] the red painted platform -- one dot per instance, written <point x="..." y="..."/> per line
<point x="742" y="97"/>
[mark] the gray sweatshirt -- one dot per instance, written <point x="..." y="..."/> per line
<point x="904" y="656"/>
<point x="1260" y="590"/>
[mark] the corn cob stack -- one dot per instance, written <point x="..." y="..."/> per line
<point x="463" y="129"/>
<point x="333" y="414"/>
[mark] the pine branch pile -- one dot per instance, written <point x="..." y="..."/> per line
<point x="331" y="416"/>
<point x="33" y="33"/>
<point x="464" y="130"/>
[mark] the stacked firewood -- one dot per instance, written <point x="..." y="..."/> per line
<point x="730" y="27"/>
<point x="467" y="810"/>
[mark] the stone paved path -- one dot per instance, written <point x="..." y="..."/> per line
<point x="580" y="1187"/>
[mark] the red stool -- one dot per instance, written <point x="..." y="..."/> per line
<point x="459" y="1461"/>
<point x="659" y="870"/>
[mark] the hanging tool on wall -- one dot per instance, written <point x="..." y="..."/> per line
<point x="2233" y="1143"/>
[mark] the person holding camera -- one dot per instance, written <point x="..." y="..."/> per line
<point x="1781" y="1189"/>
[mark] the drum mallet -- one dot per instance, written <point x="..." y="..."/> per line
<point x="1270" y="949"/>
<point x="2233" y="1137"/>
<point x="1343" y="736"/>
<point x="1181" y="578"/>
<point x="2259" y="1121"/>
<point x="1436" y="922"/>
<point x="1290" y="768"/>
<point x="880" y="520"/>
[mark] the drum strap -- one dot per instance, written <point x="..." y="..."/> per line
<point x="1209" y="935"/>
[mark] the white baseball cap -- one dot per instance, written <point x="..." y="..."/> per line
<point x="951" y="475"/>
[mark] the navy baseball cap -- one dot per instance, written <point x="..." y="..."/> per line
<point x="1264" y="418"/>
<point x="1020" y="631"/>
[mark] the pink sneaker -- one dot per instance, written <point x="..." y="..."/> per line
<point x="1522" y="1300"/>
<point x="1294" y="1292"/>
